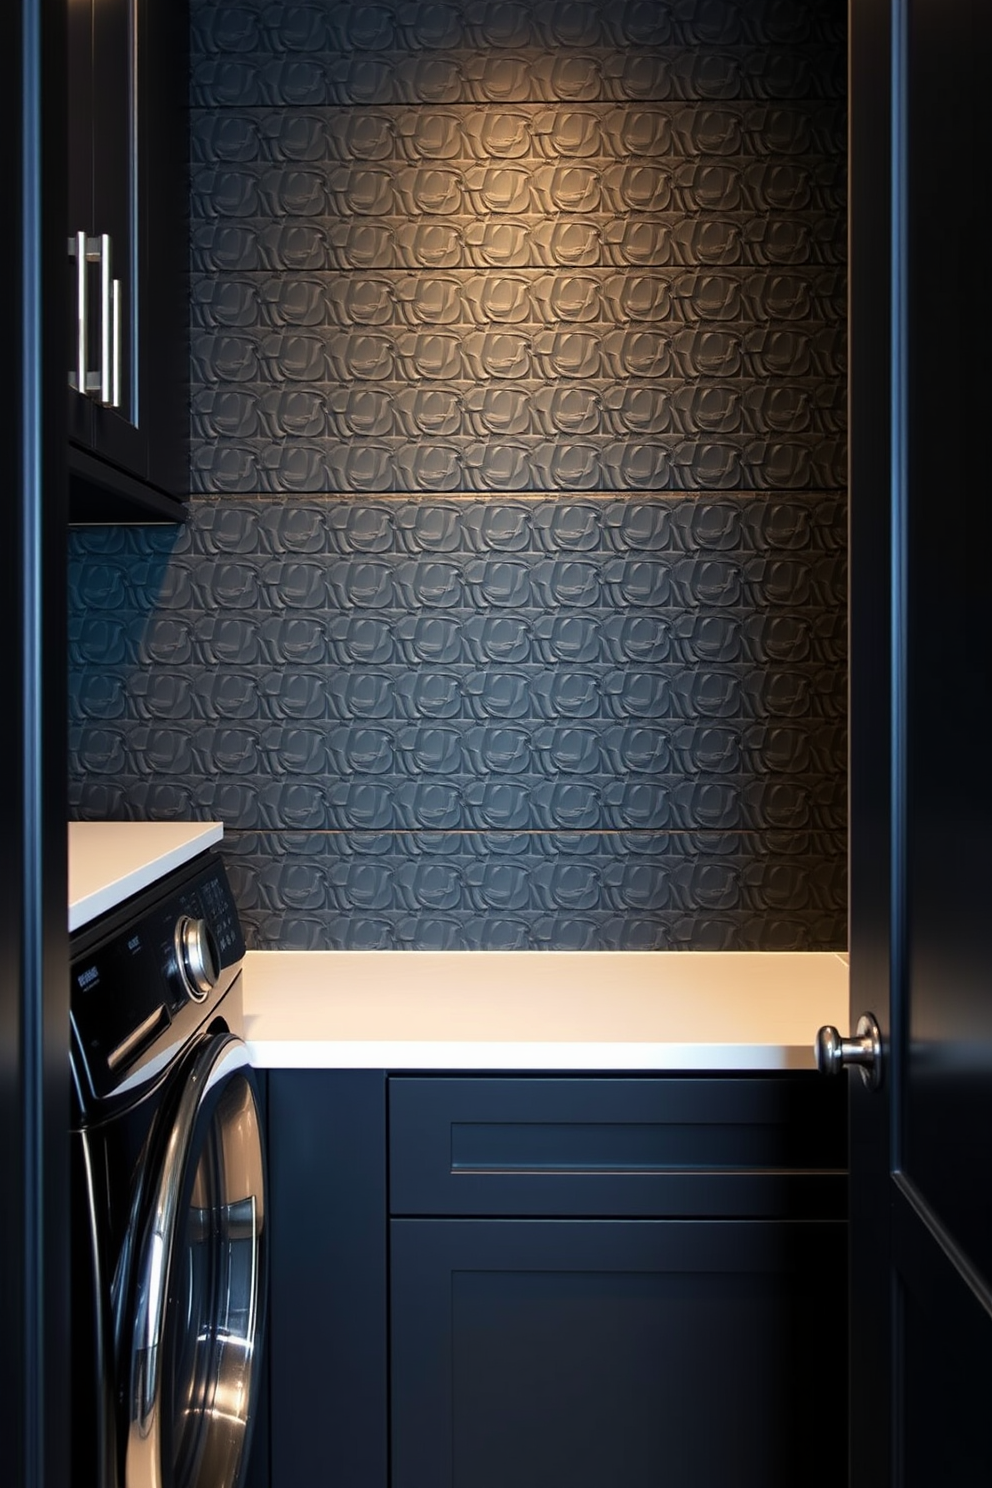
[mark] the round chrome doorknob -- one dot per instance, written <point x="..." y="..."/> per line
<point x="864" y="1051"/>
<point x="197" y="957"/>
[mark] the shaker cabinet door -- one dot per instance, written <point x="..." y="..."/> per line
<point x="627" y="1352"/>
<point x="127" y="351"/>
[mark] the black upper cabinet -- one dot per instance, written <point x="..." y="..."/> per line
<point x="127" y="259"/>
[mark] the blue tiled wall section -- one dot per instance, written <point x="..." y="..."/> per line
<point x="511" y="607"/>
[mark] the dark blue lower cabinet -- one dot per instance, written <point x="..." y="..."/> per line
<point x="556" y="1282"/>
<point x="617" y="1353"/>
<point x="327" y="1345"/>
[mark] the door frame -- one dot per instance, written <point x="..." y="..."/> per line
<point x="873" y="476"/>
<point x="34" y="959"/>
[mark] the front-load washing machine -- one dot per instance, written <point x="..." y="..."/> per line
<point x="169" y="1226"/>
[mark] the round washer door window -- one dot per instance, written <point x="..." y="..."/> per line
<point x="199" y="1285"/>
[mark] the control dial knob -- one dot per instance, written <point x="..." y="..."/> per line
<point x="197" y="957"/>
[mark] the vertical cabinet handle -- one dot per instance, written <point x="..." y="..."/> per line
<point x="78" y="246"/>
<point x="115" y="343"/>
<point x="106" y="319"/>
<point x="104" y="385"/>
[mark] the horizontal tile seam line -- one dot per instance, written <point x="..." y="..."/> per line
<point x="530" y="158"/>
<point x="807" y="98"/>
<point x="197" y="108"/>
<point x="815" y="262"/>
<point x="758" y="834"/>
<point x="810" y="101"/>
<point x="683" y="493"/>
<point x="742" y="95"/>
<point x="422" y="498"/>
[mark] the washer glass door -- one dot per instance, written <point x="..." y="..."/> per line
<point x="199" y="1285"/>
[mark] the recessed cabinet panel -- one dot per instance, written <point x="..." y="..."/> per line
<point x="116" y="221"/>
<point x="613" y="1352"/>
<point x="80" y="214"/>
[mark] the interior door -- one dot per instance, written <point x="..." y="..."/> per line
<point x="921" y="794"/>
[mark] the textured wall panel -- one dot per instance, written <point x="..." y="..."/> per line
<point x="359" y="55"/>
<point x="511" y="610"/>
<point x="559" y="891"/>
<point x="608" y="338"/>
<point x="547" y="713"/>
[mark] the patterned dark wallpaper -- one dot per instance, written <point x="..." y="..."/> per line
<point x="511" y="607"/>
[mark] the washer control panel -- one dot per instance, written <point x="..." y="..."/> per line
<point x="145" y="978"/>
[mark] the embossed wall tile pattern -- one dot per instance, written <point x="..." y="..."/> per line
<point x="501" y="704"/>
<point x="571" y="311"/>
<point x="561" y="891"/>
<point x="465" y="665"/>
<point x="511" y="608"/>
<point x="475" y="51"/>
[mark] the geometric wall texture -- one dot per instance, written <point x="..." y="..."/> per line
<point x="511" y="607"/>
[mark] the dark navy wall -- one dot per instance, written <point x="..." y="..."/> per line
<point x="511" y="607"/>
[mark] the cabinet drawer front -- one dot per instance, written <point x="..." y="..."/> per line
<point x="706" y="1146"/>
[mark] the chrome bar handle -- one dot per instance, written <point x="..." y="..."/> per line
<point x="106" y="382"/>
<point x="78" y="249"/>
<point x="98" y="252"/>
<point x="115" y="338"/>
<point x="106" y="321"/>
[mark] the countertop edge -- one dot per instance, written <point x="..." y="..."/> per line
<point x="398" y="1056"/>
<point x="109" y="877"/>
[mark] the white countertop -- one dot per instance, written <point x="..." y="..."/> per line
<point x="547" y="1010"/>
<point x="110" y="861"/>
